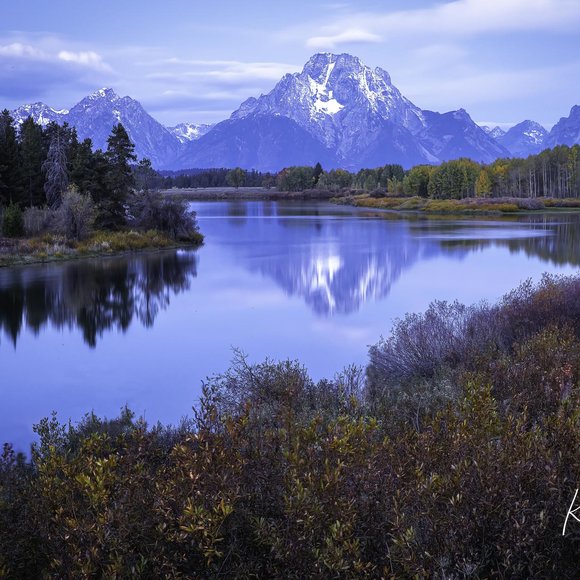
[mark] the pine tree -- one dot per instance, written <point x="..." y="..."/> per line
<point x="318" y="171"/>
<point x="9" y="160"/>
<point x="33" y="152"/>
<point x="120" y="179"/>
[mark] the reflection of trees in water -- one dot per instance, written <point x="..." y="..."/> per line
<point x="555" y="243"/>
<point x="96" y="295"/>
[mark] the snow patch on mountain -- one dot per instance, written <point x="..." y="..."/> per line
<point x="186" y="132"/>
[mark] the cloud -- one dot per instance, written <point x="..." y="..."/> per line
<point x="459" y="18"/>
<point x="45" y="68"/>
<point x="349" y="36"/>
<point x="19" y="50"/>
<point x="88" y="59"/>
<point x="222" y="70"/>
<point x="467" y="87"/>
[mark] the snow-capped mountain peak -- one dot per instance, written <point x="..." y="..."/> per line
<point x="104" y="93"/>
<point x="187" y="132"/>
<point x="40" y="113"/>
<point x="336" y="98"/>
<point x="494" y="132"/>
<point x="525" y="138"/>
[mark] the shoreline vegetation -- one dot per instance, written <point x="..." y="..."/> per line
<point x="379" y="200"/>
<point x="465" y="206"/>
<point x="456" y="454"/>
<point x="100" y="244"/>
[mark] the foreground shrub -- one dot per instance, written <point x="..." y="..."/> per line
<point x="281" y="477"/>
<point x="38" y="220"/>
<point x="75" y="215"/>
<point x="172" y="216"/>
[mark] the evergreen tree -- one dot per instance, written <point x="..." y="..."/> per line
<point x="318" y="171"/>
<point x="9" y="160"/>
<point x="33" y="152"/>
<point x="120" y="178"/>
<point x="82" y="162"/>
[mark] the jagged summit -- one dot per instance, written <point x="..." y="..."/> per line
<point x="40" y="112"/>
<point x="524" y="139"/>
<point x="105" y="92"/>
<point x="341" y="102"/>
<point x="567" y="130"/>
<point x="494" y="132"/>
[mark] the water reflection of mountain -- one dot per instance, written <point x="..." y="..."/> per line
<point x="94" y="295"/>
<point x="338" y="259"/>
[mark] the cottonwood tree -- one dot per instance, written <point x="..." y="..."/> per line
<point x="236" y="177"/>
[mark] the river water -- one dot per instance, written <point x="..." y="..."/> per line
<point x="308" y="281"/>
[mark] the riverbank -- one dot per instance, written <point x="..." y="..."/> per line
<point x="55" y="248"/>
<point x="489" y="206"/>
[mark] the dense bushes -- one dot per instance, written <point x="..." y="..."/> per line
<point x="172" y="216"/>
<point x="278" y="476"/>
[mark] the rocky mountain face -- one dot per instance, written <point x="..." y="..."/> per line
<point x="454" y="134"/>
<point x="336" y="111"/>
<point x="95" y="116"/>
<point x="524" y="139"/>
<point x="358" y="116"/>
<point x="566" y="131"/>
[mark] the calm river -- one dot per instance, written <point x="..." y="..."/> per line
<point x="310" y="281"/>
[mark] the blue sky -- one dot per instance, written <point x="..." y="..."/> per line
<point x="185" y="60"/>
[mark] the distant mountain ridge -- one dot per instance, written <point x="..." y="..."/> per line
<point x="524" y="139"/>
<point x="336" y="111"/>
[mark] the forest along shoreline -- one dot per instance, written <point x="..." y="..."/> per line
<point x="61" y="200"/>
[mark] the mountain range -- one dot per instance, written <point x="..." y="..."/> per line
<point x="336" y="111"/>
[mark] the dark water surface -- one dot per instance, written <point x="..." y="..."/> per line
<point x="310" y="281"/>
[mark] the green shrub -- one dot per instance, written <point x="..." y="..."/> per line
<point x="13" y="222"/>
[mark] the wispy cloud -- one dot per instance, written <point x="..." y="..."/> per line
<point x="349" y="36"/>
<point x="40" y="67"/>
<point x="222" y="70"/>
<point x="20" y="50"/>
<point x="88" y="59"/>
<point x="459" y="18"/>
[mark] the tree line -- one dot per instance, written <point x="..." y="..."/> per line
<point x="551" y="173"/>
<point x="37" y="166"/>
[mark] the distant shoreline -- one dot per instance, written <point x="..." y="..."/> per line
<point x="246" y="194"/>
<point x="465" y="206"/>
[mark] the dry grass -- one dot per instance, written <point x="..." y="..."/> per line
<point x="53" y="247"/>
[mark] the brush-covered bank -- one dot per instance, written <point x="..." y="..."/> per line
<point x="456" y="454"/>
